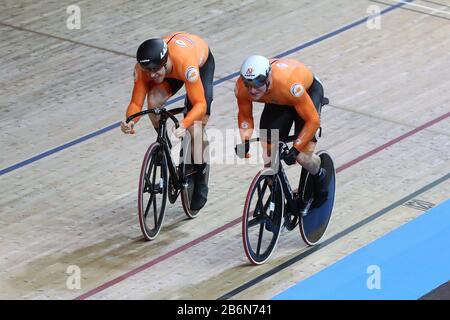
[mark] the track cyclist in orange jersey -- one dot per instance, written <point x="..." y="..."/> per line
<point x="163" y="66"/>
<point x="291" y="94"/>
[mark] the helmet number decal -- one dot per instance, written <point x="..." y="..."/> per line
<point x="249" y="72"/>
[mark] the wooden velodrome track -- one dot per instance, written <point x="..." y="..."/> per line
<point x="387" y="128"/>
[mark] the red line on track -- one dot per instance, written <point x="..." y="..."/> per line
<point x="390" y="143"/>
<point x="158" y="260"/>
<point x="236" y="221"/>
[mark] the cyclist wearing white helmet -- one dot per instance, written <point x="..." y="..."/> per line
<point x="291" y="94"/>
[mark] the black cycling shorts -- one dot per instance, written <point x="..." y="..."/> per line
<point x="281" y="117"/>
<point x="207" y="77"/>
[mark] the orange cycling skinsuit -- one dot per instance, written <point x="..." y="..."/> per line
<point x="291" y="94"/>
<point x="164" y="66"/>
<point x="189" y="53"/>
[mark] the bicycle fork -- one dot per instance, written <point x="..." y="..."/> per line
<point x="289" y="194"/>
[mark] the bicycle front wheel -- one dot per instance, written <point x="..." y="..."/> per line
<point x="262" y="216"/>
<point x="152" y="192"/>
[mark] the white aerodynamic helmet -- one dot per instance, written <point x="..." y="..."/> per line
<point x="255" y="71"/>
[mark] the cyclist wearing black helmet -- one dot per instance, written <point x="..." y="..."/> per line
<point x="163" y="66"/>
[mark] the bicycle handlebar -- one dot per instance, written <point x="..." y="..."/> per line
<point x="158" y="111"/>
<point x="282" y="143"/>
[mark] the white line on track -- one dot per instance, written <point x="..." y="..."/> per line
<point x="433" y="10"/>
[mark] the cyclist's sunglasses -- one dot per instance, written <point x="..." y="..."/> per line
<point x="256" y="83"/>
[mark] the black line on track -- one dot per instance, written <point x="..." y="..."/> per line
<point x="436" y="3"/>
<point x="66" y="40"/>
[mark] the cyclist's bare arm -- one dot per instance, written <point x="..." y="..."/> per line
<point x="245" y="119"/>
<point x="245" y="113"/>
<point x="140" y="90"/>
<point x="196" y="95"/>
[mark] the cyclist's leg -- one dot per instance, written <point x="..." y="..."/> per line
<point x="307" y="158"/>
<point x="276" y="122"/>
<point x="207" y="76"/>
<point x="197" y="130"/>
<point x="198" y="137"/>
<point x="316" y="93"/>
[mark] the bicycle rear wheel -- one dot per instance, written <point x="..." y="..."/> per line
<point x="152" y="192"/>
<point x="262" y="216"/>
<point x="188" y="174"/>
<point x="314" y="223"/>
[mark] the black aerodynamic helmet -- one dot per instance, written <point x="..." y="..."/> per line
<point x="152" y="54"/>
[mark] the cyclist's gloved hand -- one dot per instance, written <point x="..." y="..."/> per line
<point x="127" y="128"/>
<point x="179" y="132"/>
<point x="291" y="157"/>
<point x="243" y="149"/>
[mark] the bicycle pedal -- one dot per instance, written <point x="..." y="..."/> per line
<point x="283" y="226"/>
<point x="156" y="190"/>
<point x="306" y="206"/>
<point x="272" y="207"/>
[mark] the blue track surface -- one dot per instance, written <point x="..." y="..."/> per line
<point x="412" y="260"/>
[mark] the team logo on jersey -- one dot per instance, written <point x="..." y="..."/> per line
<point x="249" y="72"/>
<point x="297" y="90"/>
<point x="191" y="74"/>
<point x="181" y="43"/>
<point x="282" y="65"/>
<point x="244" y="125"/>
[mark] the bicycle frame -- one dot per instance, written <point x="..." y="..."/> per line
<point x="161" y="138"/>
<point x="287" y="190"/>
<point x="283" y="149"/>
<point x="165" y="147"/>
<point x="288" y="193"/>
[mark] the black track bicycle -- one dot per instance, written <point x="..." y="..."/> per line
<point x="271" y="204"/>
<point x="160" y="178"/>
